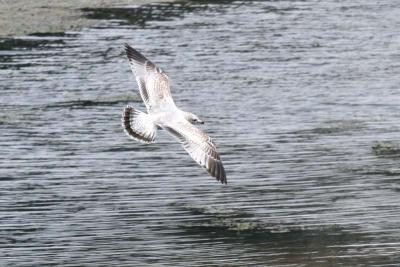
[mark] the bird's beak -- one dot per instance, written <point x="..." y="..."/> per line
<point x="201" y="122"/>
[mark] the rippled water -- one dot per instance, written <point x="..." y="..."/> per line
<point x="301" y="97"/>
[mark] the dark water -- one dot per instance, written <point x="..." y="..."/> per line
<point x="301" y="97"/>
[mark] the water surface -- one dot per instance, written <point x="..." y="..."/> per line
<point x="301" y="98"/>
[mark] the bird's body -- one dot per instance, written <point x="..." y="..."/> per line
<point x="163" y="113"/>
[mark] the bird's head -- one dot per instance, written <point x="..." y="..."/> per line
<point x="190" y="117"/>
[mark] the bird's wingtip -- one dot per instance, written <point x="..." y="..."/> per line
<point x="222" y="179"/>
<point x="127" y="47"/>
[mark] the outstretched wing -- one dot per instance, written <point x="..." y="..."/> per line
<point x="199" y="146"/>
<point x="153" y="82"/>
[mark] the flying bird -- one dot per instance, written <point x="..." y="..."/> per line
<point x="154" y="88"/>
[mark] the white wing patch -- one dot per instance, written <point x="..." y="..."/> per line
<point x="153" y="82"/>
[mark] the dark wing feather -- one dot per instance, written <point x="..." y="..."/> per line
<point x="153" y="82"/>
<point x="138" y="125"/>
<point x="200" y="147"/>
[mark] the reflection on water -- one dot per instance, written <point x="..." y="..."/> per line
<point x="141" y="15"/>
<point x="301" y="98"/>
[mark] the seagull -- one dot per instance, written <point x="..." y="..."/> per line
<point x="162" y="113"/>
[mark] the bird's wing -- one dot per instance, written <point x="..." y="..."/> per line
<point x="153" y="82"/>
<point x="199" y="146"/>
<point x="138" y="125"/>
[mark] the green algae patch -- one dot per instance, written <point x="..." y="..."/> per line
<point x="386" y="148"/>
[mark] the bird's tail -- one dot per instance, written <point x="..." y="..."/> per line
<point x="138" y="125"/>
